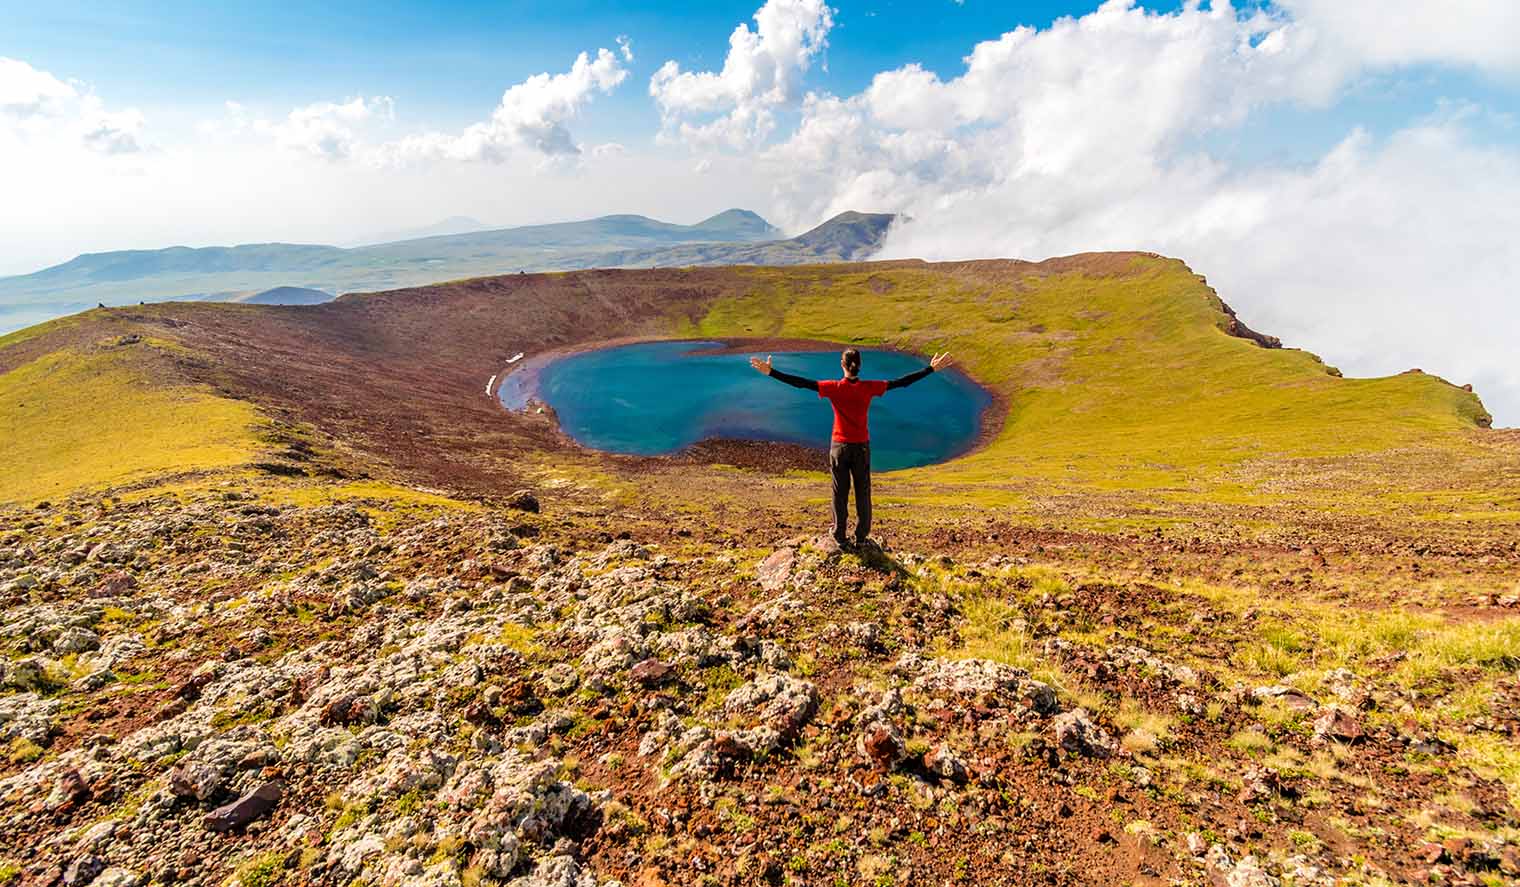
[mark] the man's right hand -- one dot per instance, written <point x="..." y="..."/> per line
<point x="763" y="366"/>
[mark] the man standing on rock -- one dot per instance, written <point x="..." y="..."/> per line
<point x="850" y="449"/>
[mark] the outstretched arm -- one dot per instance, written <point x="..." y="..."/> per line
<point x="764" y="366"/>
<point x="939" y="360"/>
<point x="909" y="379"/>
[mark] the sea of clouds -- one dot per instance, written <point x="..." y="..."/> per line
<point x="1382" y="254"/>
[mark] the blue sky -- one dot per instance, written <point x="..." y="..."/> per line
<point x="451" y="59"/>
<point x="444" y="62"/>
<point x="293" y="51"/>
<point x="1346" y="172"/>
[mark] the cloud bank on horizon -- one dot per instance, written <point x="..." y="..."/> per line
<point x="1100" y="131"/>
<point x="1381" y="256"/>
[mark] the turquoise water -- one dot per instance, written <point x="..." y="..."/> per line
<point x="656" y="398"/>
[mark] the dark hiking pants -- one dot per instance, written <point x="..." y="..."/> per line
<point x="851" y="462"/>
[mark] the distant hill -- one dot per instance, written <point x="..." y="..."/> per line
<point x="139" y="264"/>
<point x="740" y="224"/>
<point x="286" y="295"/>
<point x="850" y="234"/>
<point x="230" y="273"/>
<point x="451" y="225"/>
<point x="848" y="237"/>
<point x="596" y="235"/>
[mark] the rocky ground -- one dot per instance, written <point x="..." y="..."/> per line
<point x="247" y="685"/>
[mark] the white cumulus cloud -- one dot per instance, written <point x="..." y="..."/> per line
<point x="531" y="120"/>
<point x="1477" y="33"/>
<point x="533" y="115"/>
<point x="40" y="112"/>
<point x="27" y="92"/>
<point x="330" y="130"/>
<point x="1383" y="254"/>
<point x="736" y="106"/>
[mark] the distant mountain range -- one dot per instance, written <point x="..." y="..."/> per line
<point x="451" y="225"/>
<point x="285" y="273"/>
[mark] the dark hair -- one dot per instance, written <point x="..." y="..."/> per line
<point x="851" y="360"/>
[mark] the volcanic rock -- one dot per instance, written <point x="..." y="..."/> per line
<point x="1258" y="784"/>
<point x="1337" y="723"/>
<point x="75" y="639"/>
<point x="69" y="791"/>
<point x="866" y="635"/>
<point x="650" y="672"/>
<point x="523" y="500"/>
<point x="116" y="876"/>
<point x="776" y="570"/>
<point x="195" y="779"/>
<point x="349" y="709"/>
<point x="191" y="689"/>
<point x="251" y="806"/>
<point x="1292" y="697"/>
<point x="116" y="584"/>
<point x="560" y="678"/>
<point x="943" y="762"/>
<point x="83" y="870"/>
<point x="880" y="744"/>
<point x="1075" y="733"/>
<point x="783" y="703"/>
<point x="26" y="674"/>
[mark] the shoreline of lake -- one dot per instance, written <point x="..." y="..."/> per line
<point x="518" y="388"/>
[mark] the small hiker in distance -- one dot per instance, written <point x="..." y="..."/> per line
<point x="850" y="450"/>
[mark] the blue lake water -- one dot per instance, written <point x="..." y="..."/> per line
<point x="656" y="398"/>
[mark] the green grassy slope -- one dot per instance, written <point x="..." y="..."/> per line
<point x="1118" y="374"/>
<point x="108" y="415"/>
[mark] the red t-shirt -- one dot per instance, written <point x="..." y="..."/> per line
<point x="851" y="400"/>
